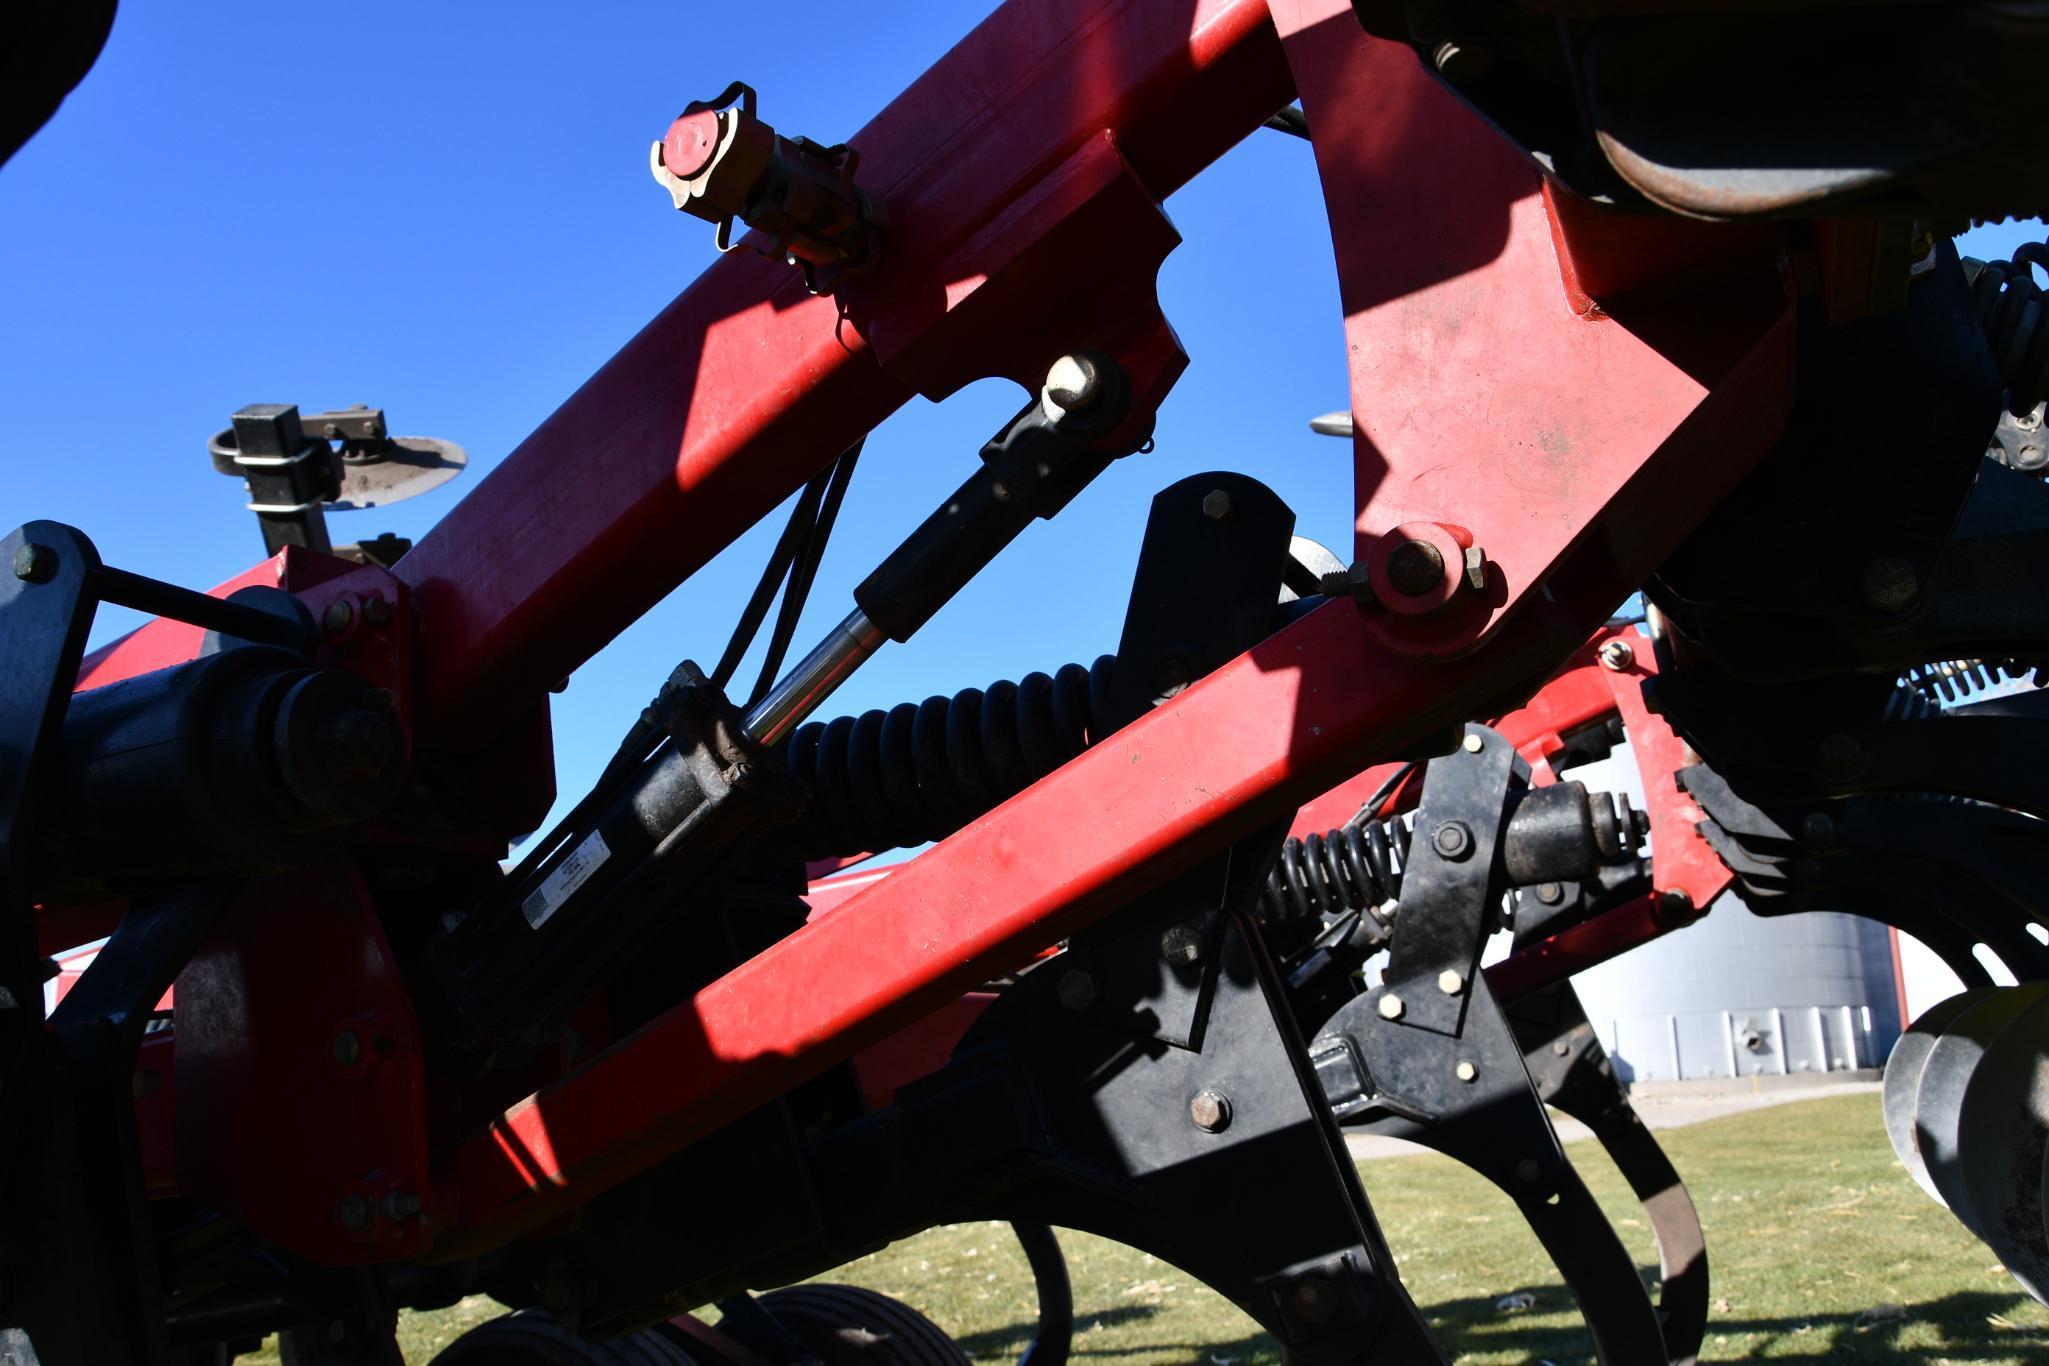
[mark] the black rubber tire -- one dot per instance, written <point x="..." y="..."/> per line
<point x="846" y="1325"/>
<point x="529" y="1337"/>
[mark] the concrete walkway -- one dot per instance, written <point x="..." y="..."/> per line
<point x="1671" y="1105"/>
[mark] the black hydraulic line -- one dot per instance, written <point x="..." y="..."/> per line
<point x="803" y="571"/>
<point x="1369" y="810"/>
<point x="1051" y="1344"/>
<point x="803" y="516"/>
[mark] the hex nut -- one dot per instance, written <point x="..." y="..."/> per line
<point x="1452" y="840"/>
<point x="35" y="563"/>
<point x="346" y="1049"/>
<point x="1391" y="1007"/>
<point x="1076" y="990"/>
<point x="1314" y="1300"/>
<point x="1210" y="1110"/>
<point x="353" y="1212"/>
<point x="1451" y="982"/>
<point x="1889" y="584"/>
<point x="1473" y="744"/>
<point x="1216" y="505"/>
<point x="1617" y="655"/>
<point x="1466" y="1071"/>
<point x="1181" y="945"/>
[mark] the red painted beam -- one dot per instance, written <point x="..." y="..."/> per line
<point x="745" y="386"/>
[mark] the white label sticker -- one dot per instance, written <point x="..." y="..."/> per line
<point x="569" y="875"/>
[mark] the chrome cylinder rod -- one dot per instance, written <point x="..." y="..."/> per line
<point x="799" y="692"/>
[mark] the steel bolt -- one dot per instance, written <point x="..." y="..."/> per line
<point x="35" y="563"/>
<point x="1452" y="840"/>
<point x="338" y="617"/>
<point x="1841" y="755"/>
<point x="1466" y="1072"/>
<point x="1074" y="382"/>
<point x="1550" y="893"/>
<point x="1211" y="1111"/>
<point x="1216" y="505"/>
<point x="1415" y="569"/>
<point x="1819" y="827"/>
<point x="1528" y="1171"/>
<point x="1315" y="1301"/>
<point x="346" y="1048"/>
<point x="1171" y="677"/>
<point x="1451" y="982"/>
<point x="377" y="611"/>
<point x="1675" y="908"/>
<point x="401" y="1205"/>
<point x="1181" y="945"/>
<point x="1355" y="583"/>
<point x="353" y="1212"/>
<point x="1476" y="569"/>
<point x="1889" y="584"/>
<point x="1076" y="990"/>
<point x="1617" y="655"/>
<point x="1561" y="1048"/>
<point x="1473" y="744"/>
<point x="1391" y="1007"/>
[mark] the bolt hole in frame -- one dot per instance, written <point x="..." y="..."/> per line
<point x="1335" y="691"/>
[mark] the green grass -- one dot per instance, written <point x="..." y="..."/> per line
<point x="1819" y="1246"/>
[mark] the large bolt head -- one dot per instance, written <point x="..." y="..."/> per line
<point x="1076" y="990"/>
<point x="1216" y="505"/>
<point x="1074" y="382"/>
<point x="35" y="563"/>
<point x="1451" y="982"/>
<point x="1617" y="655"/>
<point x="353" y="1212"/>
<point x="1210" y="1111"/>
<point x="1391" y="1006"/>
<point x="1315" y="1302"/>
<point x="1889" y="584"/>
<point x="1415" y="569"/>
<point x="1181" y="946"/>
<point x="1452" y="840"/>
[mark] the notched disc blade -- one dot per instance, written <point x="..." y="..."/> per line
<point x="405" y="467"/>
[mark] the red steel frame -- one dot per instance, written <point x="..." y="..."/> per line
<point x="1567" y="392"/>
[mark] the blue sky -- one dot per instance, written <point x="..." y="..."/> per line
<point x="445" y="211"/>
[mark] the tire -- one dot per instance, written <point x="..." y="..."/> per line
<point x="529" y="1337"/>
<point x="845" y="1325"/>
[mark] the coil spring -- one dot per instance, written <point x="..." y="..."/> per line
<point x="2011" y="309"/>
<point x="1352" y="868"/>
<point x="922" y="770"/>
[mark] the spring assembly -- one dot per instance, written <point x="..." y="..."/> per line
<point x="1353" y="868"/>
<point x="2011" y="308"/>
<point x="922" y="770"/>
